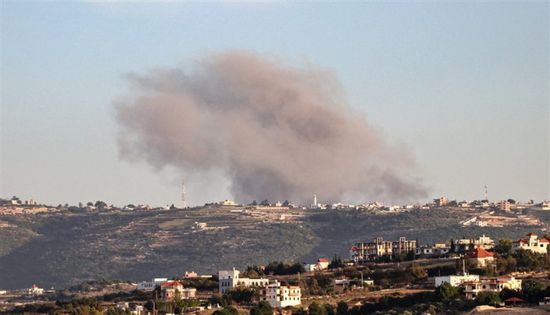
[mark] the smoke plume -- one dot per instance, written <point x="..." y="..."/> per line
<point x="275" y="131"/>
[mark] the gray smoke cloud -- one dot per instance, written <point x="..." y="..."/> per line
<point x="275" y="131"/>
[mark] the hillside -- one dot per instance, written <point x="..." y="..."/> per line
<point x="61" y="249"/>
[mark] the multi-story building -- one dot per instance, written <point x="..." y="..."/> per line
<point x="280" y="296"/>
<point x="533" y="243"/>
<point x="379" y="247"/>
<point x="229" y="279"/>
<point x="403" y="246"/>
<point x="504" y="205"/>
<point x="171" y="289"/>
<point x="441" y="202"/>
<point x="472" y="288"/>
<point x="467" y="244"/>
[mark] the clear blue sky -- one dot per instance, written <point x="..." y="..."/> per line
<point x="464" y="85"/>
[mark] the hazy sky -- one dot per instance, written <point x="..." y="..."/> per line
<point x="464" y="85"/>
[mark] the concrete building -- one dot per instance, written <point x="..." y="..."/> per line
<point x="504" y="205"/>
<point x="466" y="244"/>
<point x="35" y="290"/>
<point x="229" y="279"/>
<point x="150" y="286"/>
<point x="170" y="290"/>
<point x="473" y="288"/>
<point x="227" y="202"/>
<point x="280" y="296"/>
<point x="341" y="285"/>
<point x="533" y="243"/>
<point x="441" y="202"/>
<point x="321" y="264"/>
<point x="146" y="286"/>
<point x="455" y="280"/>
<point x="480" y="257"/>
<point x="379" y="247"/>
<point x="435" y="250"/>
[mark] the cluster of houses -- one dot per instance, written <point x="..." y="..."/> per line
<point x="476" y="249"/>
<point x="474" y="284"/>
<point x="481" y="256"/>
<point x="169" y="289"/>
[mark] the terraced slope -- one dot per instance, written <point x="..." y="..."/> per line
<point x="63" y="249"/>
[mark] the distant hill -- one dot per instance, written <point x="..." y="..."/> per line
<point x="67" y="248"/>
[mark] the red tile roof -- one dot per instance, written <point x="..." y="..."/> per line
<point x="171" y="284"/>
<point x="323" y="260"/>
<point x="514" y="299"/>
<point x="479" y="252"/>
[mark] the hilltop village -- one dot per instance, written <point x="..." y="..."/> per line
<point x="405" y="274"/>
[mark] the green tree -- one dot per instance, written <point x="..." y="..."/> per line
<point x="263" y="308"/>
<point x="342" y="308"/>
<point x="506" y="264"/>
<point x="336" y="262"/>
<point x="447" y="292"/>
<point x="504" y="247"/>
<point x="488" y="298"/>
<point x="532" y="290"/>
<point x="316" y="309"/>
<point x="242" y="295"/>
<point x="417" y="271"/>
<point x="329" y="309"/>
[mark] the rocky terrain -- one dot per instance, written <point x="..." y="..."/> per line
<point x="64" y="248"/>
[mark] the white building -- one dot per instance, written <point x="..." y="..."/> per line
<point x="280" y="296"/>
<point x="170" y="290"/>
<point x="472" y="288"/>
<point x="229" y="279"/>
<point x="146" y="286"/>
<point x="321" y="264"/>
<point x="455" y="280"/>
<point x="533" y="243"/>
<point x="137" y="310"/>
<point x="466" y="244"/>
<point x="150" y="286"/>
<point x="437" y="249"/>
<point x="227" y="202"/>
<point x="35" y="290"/>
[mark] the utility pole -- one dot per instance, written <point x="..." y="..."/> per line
<point x="183" y="200"/>
<point x="155" y="304"/>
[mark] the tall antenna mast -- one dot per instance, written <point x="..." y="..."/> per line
<point x="486" y="193"/>
<point x="183" y="201"/>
